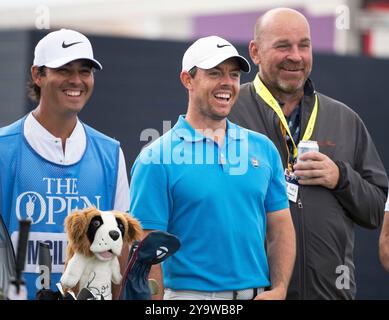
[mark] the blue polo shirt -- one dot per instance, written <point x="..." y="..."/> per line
<point x="214" y="199"/>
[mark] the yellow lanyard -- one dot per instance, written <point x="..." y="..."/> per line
<point x="265" y="94"/>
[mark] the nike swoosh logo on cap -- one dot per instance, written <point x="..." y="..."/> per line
<point x="64" y="45"/>
<point x="222" y="45"/>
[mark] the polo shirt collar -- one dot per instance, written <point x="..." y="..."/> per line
<point x="185" y="131"/>
<point x="234" y="131"/>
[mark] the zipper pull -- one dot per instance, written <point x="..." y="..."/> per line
<point x="299" y="203"/>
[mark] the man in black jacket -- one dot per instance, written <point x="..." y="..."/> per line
<point x="330" y="190"/>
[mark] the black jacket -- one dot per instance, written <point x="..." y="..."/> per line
<point x="324" y="219"/>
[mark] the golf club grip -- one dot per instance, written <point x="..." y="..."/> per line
<point x="24" y="229"/>
<point x="44" y="255"/>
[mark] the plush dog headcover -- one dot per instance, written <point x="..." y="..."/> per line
<point x="82" y="226"/>
<point x="95" y="240"/>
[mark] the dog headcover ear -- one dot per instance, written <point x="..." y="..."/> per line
<point x="133" y="229"/>
<point x="76" y="226"/>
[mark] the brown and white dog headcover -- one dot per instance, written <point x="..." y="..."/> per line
<point x="95" y="240"/>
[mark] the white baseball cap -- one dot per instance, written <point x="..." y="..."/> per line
<point x="61" y="47"/>
<point x="208" y="52"/>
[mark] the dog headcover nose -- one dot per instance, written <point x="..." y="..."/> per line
<point x="114" y="235"/>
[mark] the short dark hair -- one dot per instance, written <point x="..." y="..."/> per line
<point x="34" y="92"/>
<point x="193" y="71"/>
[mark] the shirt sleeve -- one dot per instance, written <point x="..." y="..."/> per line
<point x="387" y="204"/>
<point x="149" y="196"/>
<point x="276" y="197"/>
<point x="363" y="183"/>
<point x="122" y="196"/>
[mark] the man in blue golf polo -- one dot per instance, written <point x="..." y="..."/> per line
<point x="219" y="188"/>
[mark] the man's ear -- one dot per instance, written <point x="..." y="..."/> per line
<point x="186" y="79"/>
<point x="254" y="52"/>
<point x="36" y="76"/>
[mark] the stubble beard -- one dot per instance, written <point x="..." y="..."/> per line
<point x="289" y="88"/>
<point x="213" y="115"/>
